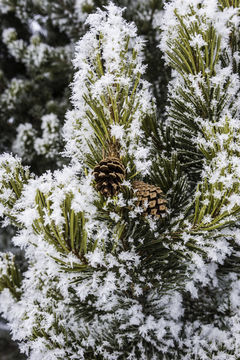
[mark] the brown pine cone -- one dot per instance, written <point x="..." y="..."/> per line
<point x="109" y="174"/>
<point x="151" y="199"/>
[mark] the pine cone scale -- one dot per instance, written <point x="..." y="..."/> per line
<point x="104" y="168"/>
<point x="152" y="204"/>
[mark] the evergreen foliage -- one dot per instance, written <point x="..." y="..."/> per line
<point x="36" y="48"/>
<point x="104" y="281"/>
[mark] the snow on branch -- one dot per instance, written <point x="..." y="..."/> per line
<point x="110" y="99"/>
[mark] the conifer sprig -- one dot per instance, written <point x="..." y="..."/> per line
<point x="110" y="98"/>
<point x="13" y="178"/>
<point x="203" y="89"/>
<point x="70" y="238"/>
<point x="10" y="276"/>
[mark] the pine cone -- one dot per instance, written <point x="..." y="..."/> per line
<point x="109" y="174"/>
<point x="150" y="198"/>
